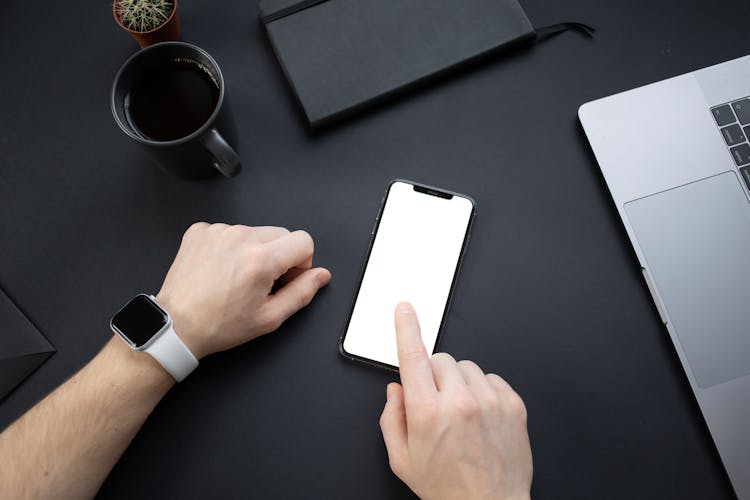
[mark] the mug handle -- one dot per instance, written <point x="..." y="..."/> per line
<point x="226" y="160"/>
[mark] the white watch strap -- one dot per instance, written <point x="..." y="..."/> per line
<point x="173" y="355"/>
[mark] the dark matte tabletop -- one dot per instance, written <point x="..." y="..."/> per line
<point x="550" y="295"/>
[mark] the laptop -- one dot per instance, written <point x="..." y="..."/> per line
<point x="676" y="158"/>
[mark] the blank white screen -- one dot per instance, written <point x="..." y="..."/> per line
<point x="413" y="259"/>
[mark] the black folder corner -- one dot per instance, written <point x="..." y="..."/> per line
<point x="340" y="55"/>
<point x="22" y="347"/>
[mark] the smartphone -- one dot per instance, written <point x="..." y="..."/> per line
<point x="418" y="241"/>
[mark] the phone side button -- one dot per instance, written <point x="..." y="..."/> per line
<point x="374" y="226"/>
<point x="654" y="295"/>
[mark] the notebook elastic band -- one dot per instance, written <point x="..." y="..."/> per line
<point x="556" y="29"/>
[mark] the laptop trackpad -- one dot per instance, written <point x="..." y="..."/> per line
<point x="696" y="242"/>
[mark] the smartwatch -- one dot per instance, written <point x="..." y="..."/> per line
<point x="145" y="326"/>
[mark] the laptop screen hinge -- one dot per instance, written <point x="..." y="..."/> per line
<point x="655" y="295"/>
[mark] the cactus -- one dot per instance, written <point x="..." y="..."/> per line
<point x="143" y="15"/>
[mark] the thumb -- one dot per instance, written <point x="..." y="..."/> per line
<point x="393" y="426"/>
<point x="296" y="294"/>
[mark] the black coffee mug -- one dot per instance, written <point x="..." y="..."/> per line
<point x="170" y="98"/>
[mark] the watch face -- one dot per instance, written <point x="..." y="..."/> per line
<point x="140" y="320"/>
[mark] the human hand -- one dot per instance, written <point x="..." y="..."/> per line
<point x="218" y="290"/>
<point x="451" y="431"/>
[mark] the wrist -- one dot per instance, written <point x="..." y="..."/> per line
<point x="136" y="365"/>
<point x="184" y="328"/>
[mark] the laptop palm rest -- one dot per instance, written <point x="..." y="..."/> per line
<point x="695" y="241"/>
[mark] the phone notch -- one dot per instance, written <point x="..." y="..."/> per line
<point x="433" y="192"/>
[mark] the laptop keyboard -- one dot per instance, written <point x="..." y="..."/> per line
<point x="733" y="120"/>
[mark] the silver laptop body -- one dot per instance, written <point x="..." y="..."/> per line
<point x="676" y="158"/>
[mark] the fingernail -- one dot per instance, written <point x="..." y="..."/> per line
<point x="405" y="308"/>
<point x="323" y="278"/>
<point x="388" y="393"/>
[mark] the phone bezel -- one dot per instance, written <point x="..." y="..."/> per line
<point x="430" y="191"/>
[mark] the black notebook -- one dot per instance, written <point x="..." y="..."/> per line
<point x="340" y="55"/>
<point x="22" y="347"/>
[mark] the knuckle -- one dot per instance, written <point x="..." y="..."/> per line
<point x="275" y="324"/>
<point x="468" y="364"/>
<point x="441" y="357"/>
<point x="238" y="231"/>
<point x="261" y="256"/>
<point x="255" y="276"/>
<point x="396" y="464"/>
<point x="216" y="228"/>
<point x="428" y="416"/>
<point x="299" y="300"/>
<point x="235" y="235"/>
<point x="497" y="382"/>
<point x="271" y="322"/>
<point x="304" y="241"/>
<point x="516" y="407"/>
<point x="306" y="238"/>
<point x="305" y="296"/>
<point x="467" y="407"/>
<point x="251" y="268"/>
<point x="194" y="228"/>
<point x="494" y="401"/>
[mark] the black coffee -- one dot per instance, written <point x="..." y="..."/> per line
<point x="172" y="101"/>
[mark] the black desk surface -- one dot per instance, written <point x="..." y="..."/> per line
<point x="550" y="295"/>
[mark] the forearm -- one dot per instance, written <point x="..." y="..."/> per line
<point x="219" y="294"/>
<point x="66" y="445"/>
